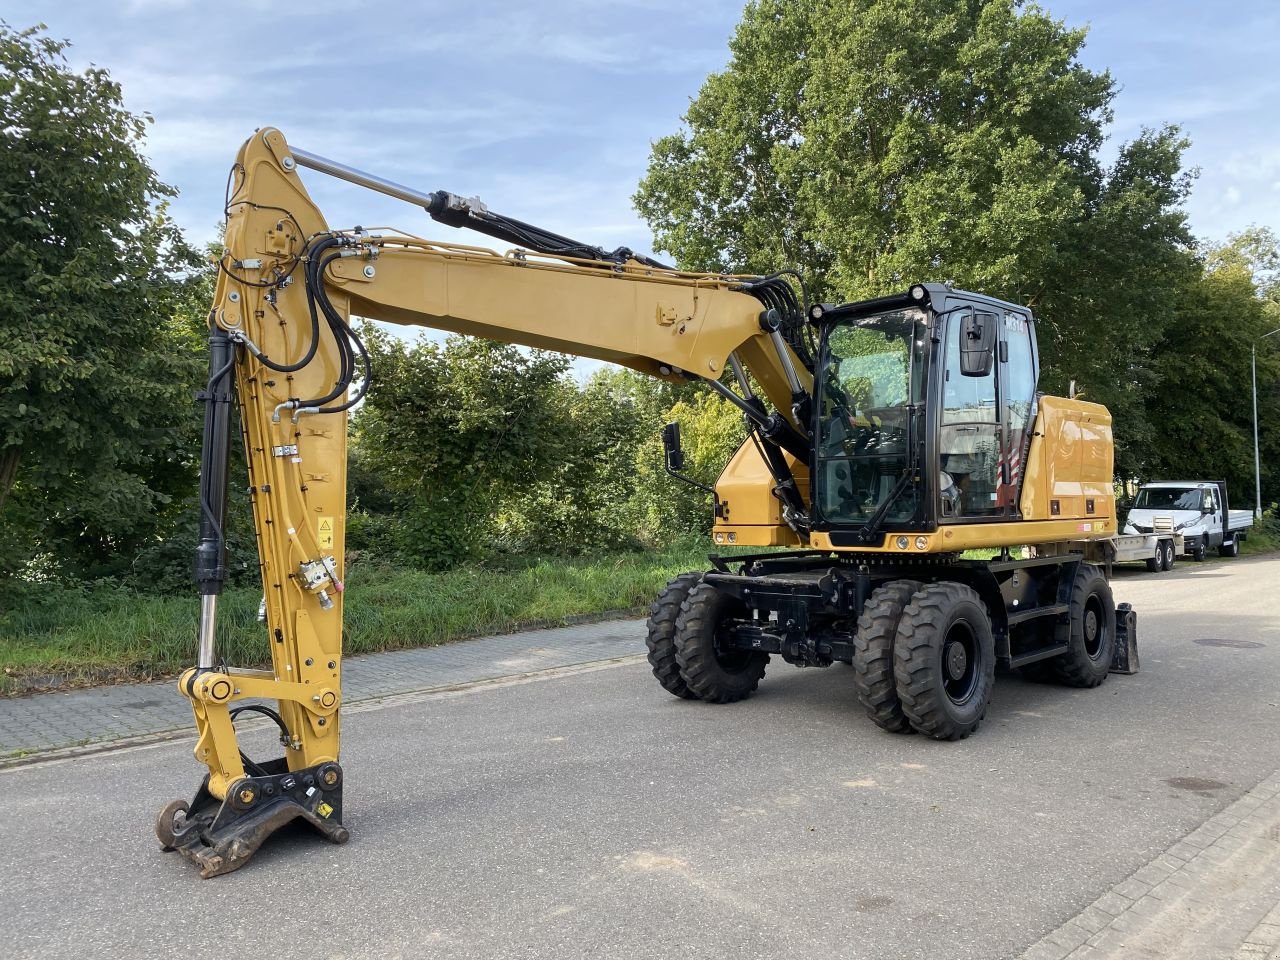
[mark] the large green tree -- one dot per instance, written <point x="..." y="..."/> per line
<point x="1203" y="367"/>
<point x="97" y="369"/>
<point x="873" y="143"/>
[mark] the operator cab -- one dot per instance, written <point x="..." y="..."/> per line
<point x="924" y="403"/>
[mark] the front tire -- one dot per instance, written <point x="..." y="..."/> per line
<point x="660" y="638"/>
<point x="873" y="655"/>
<point x="712" y="671"/>
<point x="1202" y="550"/>
<point x="1090" y="631"/>
<point x="944" y="661"/>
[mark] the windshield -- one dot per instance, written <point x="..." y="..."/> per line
<point x="871" y="370"/>
<point x="1167" y="498"/>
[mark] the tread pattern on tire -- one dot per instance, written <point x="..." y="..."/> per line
<point x="918" y="661"/>
<point x="1071" y="668"/>
<point x="873" y="655"/>
<point x="706" y="676"/>
<point x="661" y="632"/>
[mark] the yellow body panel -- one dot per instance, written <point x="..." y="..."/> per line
<point x="1070" y="462"/>
<point x="754" y="514"/>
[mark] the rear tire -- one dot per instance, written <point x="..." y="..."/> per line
<point x="1090" y="631"/>
<point x="662" y="631"/>
<point x="1156" y="564"/>
<point x="1169" y="555"/>
<point x="1229" y="549"/>
<point x="944" y="661"/>
<point x="712" y="674"/>
<point x="873" y="655"/>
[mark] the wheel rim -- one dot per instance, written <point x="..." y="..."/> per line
<point x="1094" y="628"/>
<point x="960" y="656"/>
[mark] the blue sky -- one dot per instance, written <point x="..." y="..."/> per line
<point x="546" y="109"/>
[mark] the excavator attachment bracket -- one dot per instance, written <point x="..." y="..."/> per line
<point x="220" y="836"/>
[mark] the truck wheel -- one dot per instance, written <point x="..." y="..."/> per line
<point x="944" y="661"/>
<point x="662" y="631"/>
<point x="711" y="673"/>
<point x="873" y="655"/>
<point x="1202" y="550"/>
<point x="1229" y="548"/>
<point x="1156" y="564"/>
<point x="1090" y="631"/>
<point x="1169" y="555"/>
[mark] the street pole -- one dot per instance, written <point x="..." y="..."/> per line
<point x="1257" y="463"/>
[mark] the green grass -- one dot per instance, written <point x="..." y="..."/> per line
<point x="51" y="634"/>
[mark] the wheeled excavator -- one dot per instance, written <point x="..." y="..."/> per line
<point x="886" y="441"/>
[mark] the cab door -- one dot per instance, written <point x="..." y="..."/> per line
<point x="970" y="433"/>
<point x="985" y="424"/>
<point x="1018" y="378"/>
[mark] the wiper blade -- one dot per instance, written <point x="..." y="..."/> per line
<point x="872" y="526"/>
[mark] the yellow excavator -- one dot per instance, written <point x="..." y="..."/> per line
<point x="884" y="440"/>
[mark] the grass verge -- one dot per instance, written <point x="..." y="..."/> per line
<point x="1263" y="537"/>
<point x="57" y="636"/>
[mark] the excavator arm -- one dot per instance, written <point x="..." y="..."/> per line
<point x="283" y="349"/>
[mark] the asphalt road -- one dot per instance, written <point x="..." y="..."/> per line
<point x="591" y="814"/>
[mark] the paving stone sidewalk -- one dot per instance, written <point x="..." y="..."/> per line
<point x="52" y="721"/>
<point x="1213" y="895"/>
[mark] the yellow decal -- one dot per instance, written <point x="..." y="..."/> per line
<point x="324" y="533"/>
<point x="324" y="810"/>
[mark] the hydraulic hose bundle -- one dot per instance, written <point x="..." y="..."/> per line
<point x="322" y="252"/>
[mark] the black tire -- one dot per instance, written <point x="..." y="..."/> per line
<point x="1090" y="631"/>
<point x="1229" y="548"/>
<point x="1202" y="550"/>
<point x="873" y="655"/>
<point x="1156" y="564"/>
<point x="662" y="632"/>
<point x="944" y="661"/>
<point x="709" y="673"/>
<point x="1169" y="555"/>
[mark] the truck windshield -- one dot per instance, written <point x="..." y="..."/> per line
<point x="1167" y="498"/>
<point x="871" y="370"/>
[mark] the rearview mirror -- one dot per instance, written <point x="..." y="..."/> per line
<point x="977" y="343"/>
<point x="671" y="444"/>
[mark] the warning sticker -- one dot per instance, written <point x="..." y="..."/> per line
<point x="324" y="533"/>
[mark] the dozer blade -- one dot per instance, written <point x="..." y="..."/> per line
<point x="220" y="836"/>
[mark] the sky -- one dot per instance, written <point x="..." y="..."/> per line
<point x="546" y="109"/>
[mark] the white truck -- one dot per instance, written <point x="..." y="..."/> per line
<point x="1195" y="509"/>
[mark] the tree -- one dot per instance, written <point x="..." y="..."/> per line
<point x="96" y="375"/>
<point x="1202" y="363"/>
<point x="453" y="433"/>
<point x="874" y="143"/>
